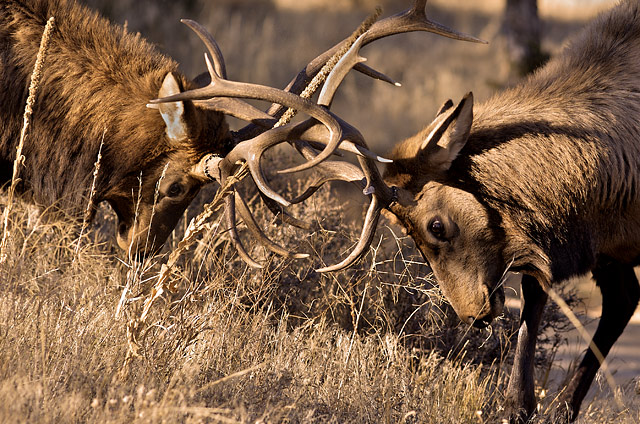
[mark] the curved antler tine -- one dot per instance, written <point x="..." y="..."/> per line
<point x="230" y="215"/>
<point x="351" y="147"/>
<point x="323" y="179"/>
<point x="415" y="19"/>
<point x="331" y="171"/>
<point x="314" y="186"/>
<point x="263" y="185"/>
<point x="251" y="151"/>
<point x="252" y="226"/>
<point x="337" y="74"/>
<point x="375" y="184"/>
<point x="353" y="141"/>
<point x="368" y="232"/>
<point x="327" y="171"/>
<point x="372" y="73"/>
<point x="238" y="109"/>
<point x="212" y="46"/>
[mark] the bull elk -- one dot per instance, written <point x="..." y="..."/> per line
<point x="543" y="179"/>
<point x="95" y="85"/>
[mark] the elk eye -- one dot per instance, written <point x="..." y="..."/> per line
<point x="436" y="227"/>
<point x="175" y="190"/>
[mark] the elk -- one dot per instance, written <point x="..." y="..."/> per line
<point x="542" y="179"/>
<point x="96" y="83"/>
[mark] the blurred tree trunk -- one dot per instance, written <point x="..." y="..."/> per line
<point x="521" y="28"/>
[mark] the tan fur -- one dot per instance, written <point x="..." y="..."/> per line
<point x="557" y="158"/>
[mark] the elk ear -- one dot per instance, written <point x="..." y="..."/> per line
<point x="172" y="113"/>
<point x="448" y="135"/>
<point x="445" y="107"/>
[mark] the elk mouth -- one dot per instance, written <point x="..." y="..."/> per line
<point x="493" y="309"/>
<point x="140" y="244"/>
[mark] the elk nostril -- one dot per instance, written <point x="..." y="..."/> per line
<point x="123" y="229"/>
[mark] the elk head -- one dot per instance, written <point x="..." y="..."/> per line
<point x="168" y="182"/>
<point x="455" y="231"/>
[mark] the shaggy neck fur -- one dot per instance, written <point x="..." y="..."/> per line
<point x="96" y="83"/>
<point x="560" y="154"/>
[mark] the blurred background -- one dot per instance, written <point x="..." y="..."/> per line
<point x="269" y="41"/>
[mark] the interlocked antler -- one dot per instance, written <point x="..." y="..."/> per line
<point x="316" y="138"/>
<point x="368" y="176"/>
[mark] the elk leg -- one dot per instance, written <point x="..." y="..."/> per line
<point x="620" y="295"/>
<point x="520" y="399"/>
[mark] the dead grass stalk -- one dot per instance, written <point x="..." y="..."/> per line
<point x="89" y="212"/>
<point x="28" y="111"/>
<point x="604" y="368"/>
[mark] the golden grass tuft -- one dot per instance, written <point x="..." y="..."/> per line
<point x="90" y="210"/>
<point x="28" y="111"/>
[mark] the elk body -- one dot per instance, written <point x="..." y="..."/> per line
<point x="543" y="179"/>
<point x="96" y="83"/>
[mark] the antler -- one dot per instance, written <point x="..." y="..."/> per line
<point x="220" y="87"/>
<point x="316" y="138"/>
<point x="411" y="20"/>
<point x="382" y="196"/>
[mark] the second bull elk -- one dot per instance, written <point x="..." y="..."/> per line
<point x="96" y="81"/>
<point x="543" y="179"/>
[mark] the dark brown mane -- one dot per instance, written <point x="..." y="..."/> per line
<point x="97" y="80"/>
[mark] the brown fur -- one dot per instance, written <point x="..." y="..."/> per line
<point x="544" y="179"/>
<point x="97" y="79"/>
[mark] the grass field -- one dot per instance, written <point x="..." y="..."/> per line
<point x="376" y="343"/>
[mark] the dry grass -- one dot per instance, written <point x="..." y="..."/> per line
<point x="372" y="344"/>
<point x="375" y="343"/>
<point x="233" y="344"/>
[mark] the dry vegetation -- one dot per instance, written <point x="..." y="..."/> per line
<point x="372" y="344"/>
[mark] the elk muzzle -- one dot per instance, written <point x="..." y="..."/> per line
<point x="476" y="307"/>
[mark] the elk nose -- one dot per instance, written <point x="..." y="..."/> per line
<point x="122" y="236"/>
